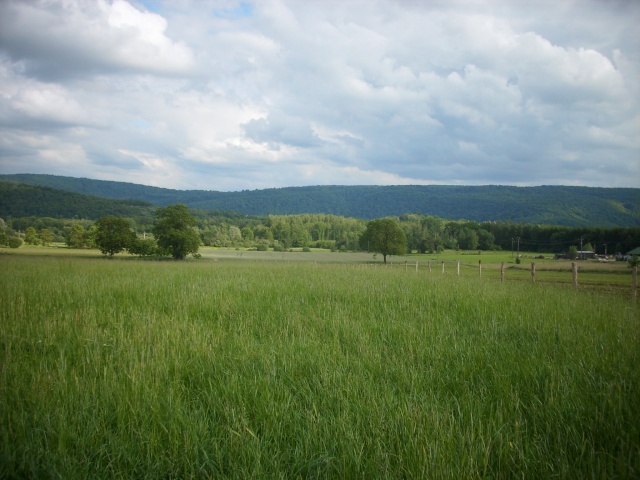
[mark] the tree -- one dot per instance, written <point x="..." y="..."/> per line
<point x="467" y="239"/>
<point x="384" y="236"/>
<point x="46" y="236"/>
<point x="573" y="252"/>
<point x="31" y="236"/>
<point x="247" y="233"/>
<point x="235" y="235"/>
<point x="113" y="235"/>
<point x="485" y="240"/>
<point x="174" y="231"/>
<point x="76" y="236"/>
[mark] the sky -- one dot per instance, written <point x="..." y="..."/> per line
<point x="240" y="95"/>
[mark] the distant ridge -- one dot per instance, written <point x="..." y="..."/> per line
<point x="554" y="205"/>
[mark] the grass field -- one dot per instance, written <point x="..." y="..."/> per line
<point x="285" y="369"/>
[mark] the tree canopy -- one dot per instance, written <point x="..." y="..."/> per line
<point x="174" y="231"/>
<point x="384" y="236"/>
<point x="113" y="235"/>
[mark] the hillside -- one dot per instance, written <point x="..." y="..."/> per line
<point x="21" y="200"/>
<point x="557" y="205"/>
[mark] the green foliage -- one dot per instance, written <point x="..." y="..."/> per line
<point x="14" y="242"/>
<point x="77" y="237"/>
<point x="143" y="247"/>
<point x="634" y="261"/>
<point x="31" y="236"/>
<point x="45" y="236"/>
<point x="247" y="233"/>
<point x="174" y="231"/>
<point x="573" y="252"/>
<point x="468" y="239"/>
<point x="384" y="236"/>
<point x="20" y="200"/>
<point x="551" y="205"/>
<point x="113" y="235"/>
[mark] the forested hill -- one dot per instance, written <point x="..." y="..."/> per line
<point x="557" y="205"/>
<point x="21" y="200"/>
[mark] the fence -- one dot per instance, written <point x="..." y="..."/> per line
<point x="554" y="275"/>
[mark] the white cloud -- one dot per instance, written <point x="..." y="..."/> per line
<point x="230" y="95"/>
<point x="69" y="38"/>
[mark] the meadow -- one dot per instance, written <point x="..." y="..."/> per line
<point x="222" y="368"/>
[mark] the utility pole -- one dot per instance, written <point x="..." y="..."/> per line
<point x="581" y="253"/>
<point x="518" y="247"/>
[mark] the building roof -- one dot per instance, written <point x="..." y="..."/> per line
<point x="635" y="251"/>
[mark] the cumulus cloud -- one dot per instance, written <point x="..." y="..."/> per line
<point x="53" y="40"/>
<point x="229" y="94"/>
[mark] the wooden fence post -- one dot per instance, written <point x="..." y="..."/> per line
<point x="574" y="271"/>
<point x="458" y="268"/>
<point x="429" y="265"/>
<point x="442" y="266"/>
<point x="533" y="272"/>
<point x="405" y="265"/>
<point x="635" y="282"/>
<point x="502" y="272"/>
<point x="416" y="265"/>
<point x="480" y="268"/>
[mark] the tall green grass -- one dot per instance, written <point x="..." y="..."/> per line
<point x="142" y="369"/>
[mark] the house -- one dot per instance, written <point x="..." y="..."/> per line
<point x="584" y="254"/>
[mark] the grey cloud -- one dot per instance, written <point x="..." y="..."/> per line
<point x="281" y="130"/>
<point x="286" y="93"/>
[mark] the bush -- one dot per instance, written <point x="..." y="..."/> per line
<point x="144" y="247"/>
<point x="15" y="242"/>
<point x="262" y="247"/>
<point x="306" y="249"/>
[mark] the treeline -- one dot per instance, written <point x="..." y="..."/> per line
<point x="549" y="205"/>
<point x="425" y="233"/>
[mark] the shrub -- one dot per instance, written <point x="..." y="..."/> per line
<point x="262" y="247"/>
<point x="144" y="247"/>
<point x="15" y="242"/>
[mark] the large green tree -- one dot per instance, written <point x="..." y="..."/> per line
<point x="113" y="235"/>
<point x="384" y="236"/>
<point x="174" y="231"/>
